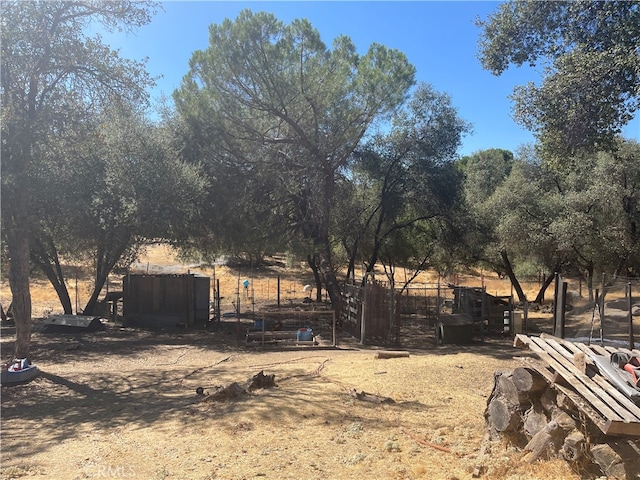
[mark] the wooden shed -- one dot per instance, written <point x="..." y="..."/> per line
<point x="483" y="307"/>
<point x="165" y="300"/>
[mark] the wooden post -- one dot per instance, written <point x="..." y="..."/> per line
<point x="363" y="311"/>
<point x="563" y="312"/>
<point x="278" y="290"/>
<point x="556" y="299"/>
<point x="580" y="287"/>
<point x="335" y="338"/>
<point x="560" y="298"/>
<point x="438" y="299"/>
<point x="630" y="316"/>
<point x="217" y="307"/>
<point x="602" y="311"/>
<point x="191" y="299"/>
<point x="238" y="312"/>
<point x="213" y="293"/>
<point x="484" y="312"/>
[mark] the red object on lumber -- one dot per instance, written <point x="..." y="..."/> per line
<point x="632" y="370"/>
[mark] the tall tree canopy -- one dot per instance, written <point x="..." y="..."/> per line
<point x="52" y="75"/>
<point x="408" y="184"/>
<point x="578" y="221"/>
<point x="270" y="101"/>
<point x="122" y="184"/>
<point x="590" y="53"/>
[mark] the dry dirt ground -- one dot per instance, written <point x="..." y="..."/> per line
<point x="122" y="403"/>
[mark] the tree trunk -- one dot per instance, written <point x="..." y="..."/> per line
<point x="547" y="281"/>
<point x="312" y="260"/>
<point x="590" y="282"/>
<point x="512" y="276"/>
<point x="109" y="253"/>
<point x="325" y="268"/>
<point x="49" y="263"/>
<point x="18" y="249"/>
<point x="351" y="255"/>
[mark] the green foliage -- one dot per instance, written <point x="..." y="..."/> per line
<point x="590" y="56"/>
<point x="581" y="221"/>
<point x="54" y="81"/>
<point x="485" y="171"/>
<point x="274" y="115"/>
<point x="405" y="187"/>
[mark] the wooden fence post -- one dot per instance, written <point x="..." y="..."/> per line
<point x="629" y="305"/>
<point x="363" y="311"/>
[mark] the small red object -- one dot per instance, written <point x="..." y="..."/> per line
<point x="632" y="370"/>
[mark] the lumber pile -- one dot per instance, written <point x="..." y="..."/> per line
<point x="546" y="408"/>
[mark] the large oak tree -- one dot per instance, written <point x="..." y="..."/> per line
<point x="52" y="74"/>
<point x="589" y="53"/>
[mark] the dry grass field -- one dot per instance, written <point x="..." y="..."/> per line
<point x="122" y="403"/>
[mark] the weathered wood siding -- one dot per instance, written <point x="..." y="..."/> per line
<point x="165" y="300"/>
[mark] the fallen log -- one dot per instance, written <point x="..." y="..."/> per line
<point x="528" y="381"/>
<point x="534" y="421"/>
<point x="391" y="354"/>
<point x="502" y="415"/>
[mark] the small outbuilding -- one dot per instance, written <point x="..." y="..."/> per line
<point x="165" y="300"/>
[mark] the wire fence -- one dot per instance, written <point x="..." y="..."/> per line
<point x="600" y="311"/>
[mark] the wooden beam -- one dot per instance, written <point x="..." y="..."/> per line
<point x="391" y="354"/>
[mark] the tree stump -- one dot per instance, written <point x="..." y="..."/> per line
<point x="235" y="390"/>
<point x="260" y="380"/>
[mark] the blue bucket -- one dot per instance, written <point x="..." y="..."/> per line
<point x="258" y="324"/>
<point x="305" y="335"/>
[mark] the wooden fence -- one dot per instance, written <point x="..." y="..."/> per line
<point x="383" y="311"/>
<point x="373" y="303"/>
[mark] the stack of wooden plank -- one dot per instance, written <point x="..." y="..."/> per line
<point x="570" y="368"/>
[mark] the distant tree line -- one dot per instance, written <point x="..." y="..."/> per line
<point x="278" y="143"/>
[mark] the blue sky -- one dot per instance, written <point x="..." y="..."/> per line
<point x="439" y="39"/>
